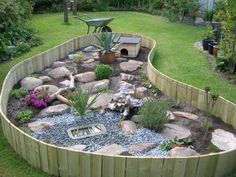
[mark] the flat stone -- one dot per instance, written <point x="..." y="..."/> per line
<point x="58" y="64"/>
<point x="186" y="115"/>
<point x="102" y="101"/>
<point x="51" y="88"/>
<point x="113" y="149"/>
<point x="45" y="79"/>
<point x="59" y="73"/>
<point x="127" y="77"/>
<point x="223" y="140"/>
<point x="30" y="83"/>
<point x="96" y="85"/>
<point x="183" y="152"/>
<point x="54" y="110"/>
<point x="39" y="126"/>
<point x="92" y="65"/>
<point x="85" y="77"/>
<point x="78" y="147"/>
<point x="90" y="49"/>
<point x="121" y="59"/>
<point x="131" y="65"/>
<point x="91" y="60"/>
<point x="142" y="147"/>
<point x="128" y="127"/>
<point x="65" y="83"/>
<point x="172" y="130"/>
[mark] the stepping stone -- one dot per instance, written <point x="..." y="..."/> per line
<point x="172" y="130"/>
<point x="45" y="79"/>
<point x="78" y="147"/>
<point x="142" y="147"/>
<point x="59" y="73"/>
<point x="182" y="152"/>
<point x="54" y="110"/>
<point x="96" y="85"/>
<point x="102" y="101"/>
<point x="131" y="65"/>
<point x="85" y="77"/>
<point x="58" y="64"/>
<point x="113" y="149"/>
<point x="223" y="140"/>
<point x="51" y="88"/>
<point x="39" y="126"/>
<point x="186" y="115"/>
<point x="128" y="127"/>
<point x="30" y="83"/>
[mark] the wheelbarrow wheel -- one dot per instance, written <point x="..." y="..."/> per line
<point x="106" y="29"/>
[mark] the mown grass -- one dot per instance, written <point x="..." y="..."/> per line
<point x="176" y="57"/>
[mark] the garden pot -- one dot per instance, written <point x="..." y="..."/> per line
<point x="205" y="43"/>
<point x="215" y="50"/>
<point x="108" y="57"/>
<point x="211" y="46"/>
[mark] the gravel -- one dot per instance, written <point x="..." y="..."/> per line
<point x="58" y="133"/>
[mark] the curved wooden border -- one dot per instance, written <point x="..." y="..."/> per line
<point x="61" y="161"/>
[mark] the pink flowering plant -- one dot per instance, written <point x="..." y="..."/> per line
<point x="38" y="98"/>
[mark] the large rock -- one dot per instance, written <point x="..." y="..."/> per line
<point x="224" y="140"/>
<point x="128" y="127"/>
<point x="51" y="88"/>
<point x="45" y="79"/>
<point x="102" y="101"/>
<point x="78" y="147"/>
<point x="113" y="149"/>
<point x="58" y="64"/>
<point x="39" y="126"/>
<point x="30" y="83"/>
<point x="142" y="147"/>
<point x="186" y="115"/>
<point x="172" y="130"/>
<point x="182" y="152"/>
<point x="131" y="65"/>
<point x="59" y="73"/>
<point x="54" y="110"/>
<point x="85" y="77"/>
<point x="96" y="85"/>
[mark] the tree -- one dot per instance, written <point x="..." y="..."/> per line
<point x="66" y="13"/>
<point x="75" y="7"/>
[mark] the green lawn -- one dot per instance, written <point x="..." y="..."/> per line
<point x="176" y="57"/>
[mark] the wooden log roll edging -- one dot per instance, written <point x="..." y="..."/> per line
<point x="67" y="163"/>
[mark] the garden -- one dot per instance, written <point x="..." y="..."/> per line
<point x="103" y="98"/>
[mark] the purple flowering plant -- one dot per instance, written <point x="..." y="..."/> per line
<point x="38" y="98"/>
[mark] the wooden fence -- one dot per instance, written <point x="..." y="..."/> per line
<point x="67" y="163"/>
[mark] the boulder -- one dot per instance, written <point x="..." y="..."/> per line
<point x="131" y="65"/>
<point x="92" y="65"/>
<point x="65" y="83"/>
<point x="54" y="110"/>
<point x="128" y="127"/>
<point x="127" y="77"/>
<point x="58" y="64"/>
<point x="142" y="147"/>
<point x="59" y="73"/>
<point x="102" y="101"/>
<point x="77" y="147"/>
<point x="96" y="85"/>
<point x="186" y="115"/>
<point x="113" y="149"/>
<point x="39" y="126"/>
<point x="172" y="130"/>
<point x="51" y="88"/>
<point x="223" y="140"/>
<point x="30" y="83"/>
<point x="45" y="79"/>
<point x="85" y="77"/>
<point x="182" y="152"/>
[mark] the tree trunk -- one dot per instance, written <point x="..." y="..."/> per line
<point x="66" y="15"/>
<point x="75" y="7"/>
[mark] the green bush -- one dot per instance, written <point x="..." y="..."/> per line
<point x="19" y="93"/>
<point x="42" y="6"/>
<point x="103" y="71"/>
<point x="24" y="116"/>
<point x="153" y="114"/>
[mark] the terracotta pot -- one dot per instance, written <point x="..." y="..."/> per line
<point x="215" y="50"/>
<point x="108" y="57"/>
<point x="210" y="47"/>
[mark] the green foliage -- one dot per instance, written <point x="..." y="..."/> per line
<point x="153" y="114"/>
<point x="209" y="33"/>
<point x="103" y="71"/>
<point x="24" y="116"/>
<point x="19" y="93"/>
<point x="41" y="6"/>
<point x="80" y="101"/>
<point x="166" y="146"/>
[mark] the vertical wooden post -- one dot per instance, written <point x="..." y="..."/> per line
<point x="75" y="7"/>
<point x="66" y="13"/>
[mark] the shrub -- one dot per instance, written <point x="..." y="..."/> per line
<point x="153" y="114"/>
<point x="19" y="93"/>
<point x="175" y="142"/>
<point x="103" y="72"/>
<point x="38" y="98"/>
<point x="80" y="101"/>
<point x="24" y="116"/>
<point x="22" y="48"/>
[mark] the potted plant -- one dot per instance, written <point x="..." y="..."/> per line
<point x="107" y="45"/>
<point x="207" y="37"/>
<point x="211" y="45"/>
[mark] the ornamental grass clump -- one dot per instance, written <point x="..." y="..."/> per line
<point x="38" y="98"/>
<point x="153" y="114"/>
